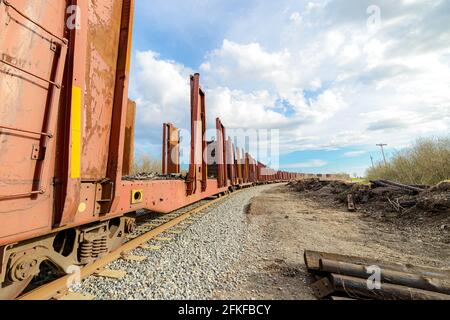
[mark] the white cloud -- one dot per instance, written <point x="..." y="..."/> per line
<point x="245" y="110"/>
<point x="250" y="68"/>
<point x="296" y="17"/>
<point x="354" y="154"/>
<point x="161" y="90"/>
<point x="316" y="73"/>
<point x="312" y="164"/>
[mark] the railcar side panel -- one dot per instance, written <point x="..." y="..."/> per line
<point x="32" y="57"/>
<point x="104" y="18"/>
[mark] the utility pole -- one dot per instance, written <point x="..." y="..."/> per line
<point x="382" y="145"/>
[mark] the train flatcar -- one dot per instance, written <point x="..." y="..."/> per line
<point x="64" y="74"/>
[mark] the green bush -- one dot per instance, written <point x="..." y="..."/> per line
<point x="427" y="162"/>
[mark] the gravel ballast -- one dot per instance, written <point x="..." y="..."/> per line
<point x="192" y="266"/>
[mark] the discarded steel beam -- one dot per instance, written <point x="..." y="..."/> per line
<point x="417" y="281"/>
<point x="313" y="258"/>
<point x="351" y="275"/>
<point x="358" y="288"/>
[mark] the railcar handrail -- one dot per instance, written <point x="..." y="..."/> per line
<point x="49" y="135"/>
<point x="22" y="195"/>
<point x="9" y="5"/>
<point x="30" y="73"/>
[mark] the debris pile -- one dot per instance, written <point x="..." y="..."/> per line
<point x="339" y="277"/>
<point x="381" y="195"/>
<point x="420" y="210"/>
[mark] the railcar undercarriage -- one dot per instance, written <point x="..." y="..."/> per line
<point x="64" y="251"/>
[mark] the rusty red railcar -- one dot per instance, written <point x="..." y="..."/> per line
<point x="64" y="75"/>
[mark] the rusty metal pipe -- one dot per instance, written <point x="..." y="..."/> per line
<point x="389" y="276"/>
<point x="357" y="288"/>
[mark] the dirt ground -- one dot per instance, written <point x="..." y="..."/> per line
<point x="283" y="223"/>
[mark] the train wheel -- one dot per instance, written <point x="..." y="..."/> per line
<point x="10" y="291"/>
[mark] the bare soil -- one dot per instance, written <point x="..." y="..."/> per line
<point x="282" y="223"/>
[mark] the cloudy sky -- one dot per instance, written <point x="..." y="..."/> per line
<point x="336" y="77"/>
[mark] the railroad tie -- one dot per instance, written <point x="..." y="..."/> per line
<point x="151" y="225"/>
<point x="163" y="239"/>
<point x="133" y="258"/>
<point x="73" y="296"/>
<point x="111" y="274"/>
<point x="150" y="248"/>
<point x="176" y="232"/>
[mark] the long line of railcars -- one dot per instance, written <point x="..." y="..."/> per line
<point x="64" y="75"/>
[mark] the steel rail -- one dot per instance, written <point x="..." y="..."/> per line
<point x="60" y="286"/>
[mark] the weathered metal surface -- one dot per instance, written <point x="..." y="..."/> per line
<point x="128" y="152"/>
<point x="313" y="258"/>
<point x="49" y="291"/>
<point x="231" y="166"/>
<point x="32" y="56"/>
<point x="239" y="166"/>
<point x="103" y="36"/>
<point x="323" y="288"/>
<point x="64" y="134"/>
<point x="352" y="276"/>
<point x="221" y="156"/>
<point x="171" y="150"/>
<point x="357" y="288"/>
<point x="163" y="196"/>
<point x="197" y="165"/>
<point x="439" y="283"/>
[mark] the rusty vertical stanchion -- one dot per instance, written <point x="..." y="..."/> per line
<point x="221" y="154"/>
<point x="198" y="166"/>
<point x="164" y="150"/>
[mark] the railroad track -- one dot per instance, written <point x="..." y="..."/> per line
<point x="147" y="230"/>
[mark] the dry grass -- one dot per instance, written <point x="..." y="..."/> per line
<point x="342" y="176"/>
<point x="427" y="162"/>
<point x="146" y="164"/>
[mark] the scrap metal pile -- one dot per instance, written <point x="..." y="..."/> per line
<point x="344" y="277"/>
